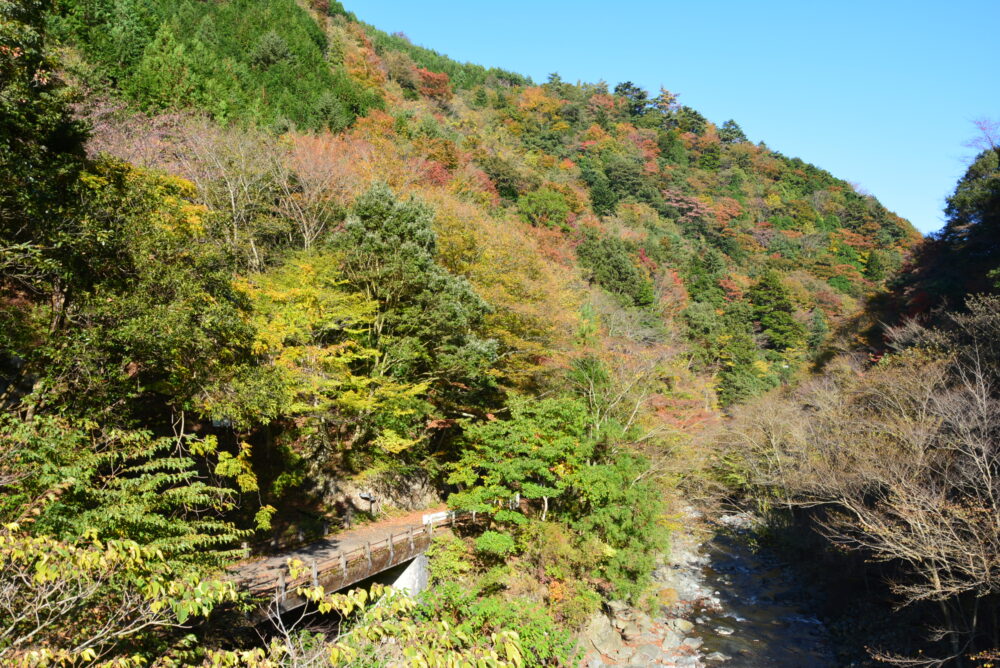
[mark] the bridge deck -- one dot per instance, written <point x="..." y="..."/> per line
<point x="344" y="558"/>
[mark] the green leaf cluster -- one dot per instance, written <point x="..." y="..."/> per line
<point x="74" y="481"/>
<point x="429" y="321"/>
<point x="543" y="463"/>
<point x="244" y="60"/>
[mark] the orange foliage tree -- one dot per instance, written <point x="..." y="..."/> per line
<point x="434" y="85"/>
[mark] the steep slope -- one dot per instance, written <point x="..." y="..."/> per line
<point x="652" y="196"/>
<point x="893" y="457"/>
<point x="301" y="258"/>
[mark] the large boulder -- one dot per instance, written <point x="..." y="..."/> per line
<point x="604" y="638"/>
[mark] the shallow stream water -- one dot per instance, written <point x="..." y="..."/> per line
<point x="724" y="602"/>
<point x="758" y="614"/>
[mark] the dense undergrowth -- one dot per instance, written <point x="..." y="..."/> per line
<point x="256" y="250"/>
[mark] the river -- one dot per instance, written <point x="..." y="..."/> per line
<point x="759" y="614"/>
<point x="722" y="603"/>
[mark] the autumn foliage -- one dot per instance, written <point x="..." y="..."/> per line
<point x="295" y="257"/>
<point x="434" y="85"/>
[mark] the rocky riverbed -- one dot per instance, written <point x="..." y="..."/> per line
<point x="718" y="602"/>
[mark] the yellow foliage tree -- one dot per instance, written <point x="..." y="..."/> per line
<point x="311" y="330"/>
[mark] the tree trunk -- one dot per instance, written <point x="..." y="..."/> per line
<point x="948" y="620"/>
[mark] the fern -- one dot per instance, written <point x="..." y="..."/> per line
<point x="125" y="485"/>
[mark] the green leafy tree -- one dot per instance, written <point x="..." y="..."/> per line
<point x="531" y="456"/>
<point x="611" y="266"/>
<point x="876" y="267"/>
<point x="774" y="311"/>
<point x="745" y="373"/>
<point x="509" y="183"/>
<point x="958" y="261"/>
<point x="166" y="75"/>
<point x="114" y="484"/>
<point x="271" y="49"/>
<point x="41" y="155"/>
<point x="625" y="176"/>
<point x="427" y="323"/>
<point x="311" y="332"/>
<point x="819" y="329"/>
<point x="603" y="198"/>
<point x="623" y="510"/>
<point x="973" y="210"/>
<point x="709" y="158"/>
<point x="264" y="63"/>
<point x="544" y="207"/>
<point x="703" y="272"/>
<point x="687" y="119"/>
<point x="151" y="310"/>
<point x="636" y="99"/>
<point x="731" y="133"/>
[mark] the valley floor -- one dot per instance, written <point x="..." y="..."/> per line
<point x="720" y="602"/>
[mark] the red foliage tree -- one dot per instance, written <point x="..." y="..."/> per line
<point x="436" y="86"/>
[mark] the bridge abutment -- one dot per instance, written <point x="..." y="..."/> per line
<point x="413" y="579"/>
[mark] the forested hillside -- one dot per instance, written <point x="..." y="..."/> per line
<point x="257" y="256"/>
<point x="894" y="458"/>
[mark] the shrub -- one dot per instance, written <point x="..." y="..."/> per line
<point x="494" y="544"/>
<point x="555" y="549"/>
<point x="542" y="642"/>
<point x="448" y="558"/>
<point x="577" y="604"/>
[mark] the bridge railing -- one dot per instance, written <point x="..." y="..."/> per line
<point x="345" y="567"/>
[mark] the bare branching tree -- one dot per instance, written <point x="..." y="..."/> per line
<point x="904" y="459"/>
<point x="312" y="187"/>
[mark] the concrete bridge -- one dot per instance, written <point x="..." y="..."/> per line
<point x="349" y="557"/>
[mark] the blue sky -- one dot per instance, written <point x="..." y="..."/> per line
<point x="880" y="93"/>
